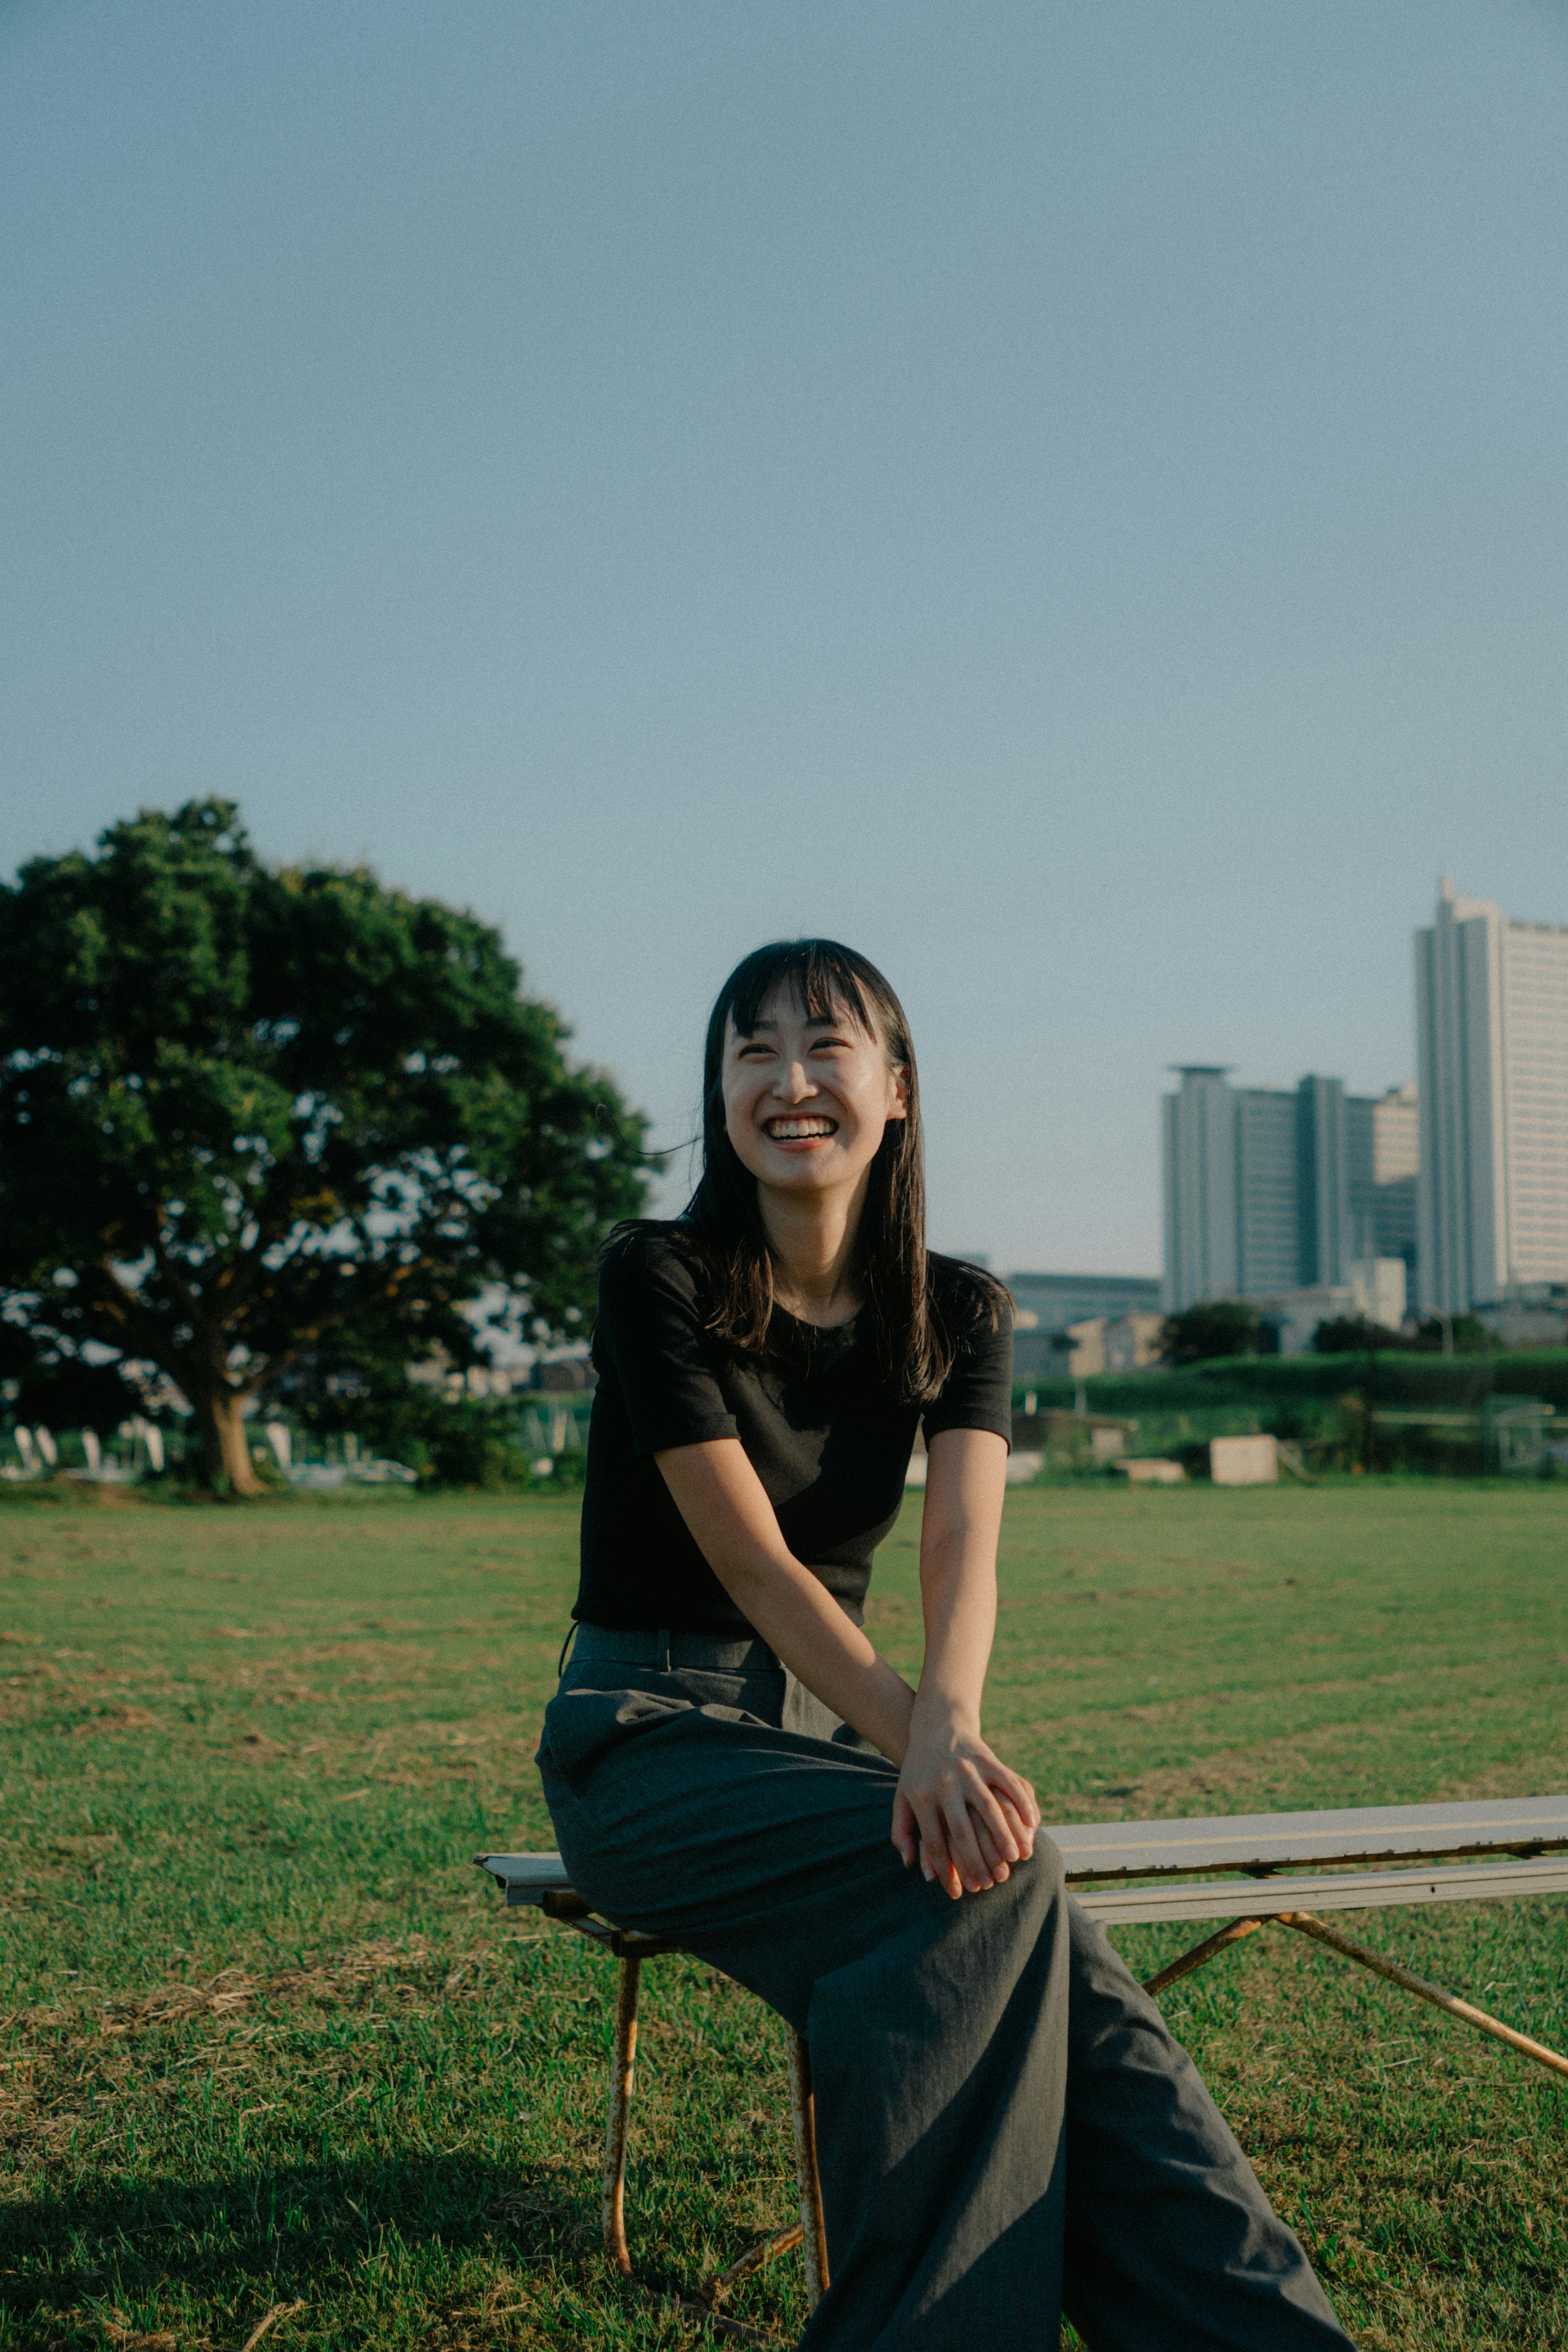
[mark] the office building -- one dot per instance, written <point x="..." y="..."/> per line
<point x="1385" y="1176"/>
<point x="1266" y="1182"/>
<point x="1203" y="1236"/>
<point x="1271" y="1190"/>
<point x="1491" y="1017"/>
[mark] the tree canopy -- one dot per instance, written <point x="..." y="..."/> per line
<point x="1214" y="1327"/>
<point x="1466" y="1335"/>
<point x="251" y="1117"/>
<point x="1352" y="1335"/>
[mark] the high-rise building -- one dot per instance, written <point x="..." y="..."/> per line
<point x="1268" y="1176"/>
<point x="1199" y="1135"/>
<point x="1384" y="1201"/>
<point x="1270" y="1190"/>
<point x="1323" y="1180"/>
<point x="1492" y="1015"/>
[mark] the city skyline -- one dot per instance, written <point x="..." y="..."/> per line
<point x="1071" y="500"/>
<point x="1273" y="1190"/>
<point x="1460" y="1176"/>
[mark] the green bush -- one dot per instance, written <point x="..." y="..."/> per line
<point x="1271" y="1384"/>
<point x="1319" y="1402"/>
<point x="468" y="1441"/>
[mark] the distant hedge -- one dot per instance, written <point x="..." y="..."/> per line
<point x="1278" y="1383"/>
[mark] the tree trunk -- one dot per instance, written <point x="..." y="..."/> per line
<point x="225" y="1446"/>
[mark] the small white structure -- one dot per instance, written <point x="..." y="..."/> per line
<point x="1085" y="1348"/>
<point x="1297" y="1314"/>
<point x="1131" y="1342"/>
<point x="276" y="1435"/>
<point x="1538" y="1318"/>
<point x="147" y="1434"/>
<point x="1110" y="1343"/>
<point x="1377" y="1290"/>
<point x="1150" y="1473"/>
<point x="1374" y="1290"/>
<point x="1244" y="1461"/>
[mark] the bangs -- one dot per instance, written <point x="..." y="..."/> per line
<point x="823" y="976"/>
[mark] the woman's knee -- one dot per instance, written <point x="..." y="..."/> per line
<point x="1035" y="1892"/>
<point x="1049" y="1869"/>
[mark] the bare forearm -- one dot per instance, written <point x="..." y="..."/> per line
<point x="722" y="1502"/>
<point x="799" y="1618"/>
<point x="969" y="1817"/>
<point x="958" y="1532"/>
<point x="959" y="1600"/>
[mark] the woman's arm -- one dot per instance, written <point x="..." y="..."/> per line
<point x="724" y="1504"/>
<point x="958" y="1803"/>
<point x="963" y="1810"/>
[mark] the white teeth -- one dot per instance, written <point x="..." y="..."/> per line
<point x="794" y="1130"/>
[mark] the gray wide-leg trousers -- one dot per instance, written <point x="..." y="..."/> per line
<point x="1006" y="2129"/>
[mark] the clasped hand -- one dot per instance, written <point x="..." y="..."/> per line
<point x="959" y="1808"/>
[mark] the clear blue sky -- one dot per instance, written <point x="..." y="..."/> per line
<point x="1070" y="499"/>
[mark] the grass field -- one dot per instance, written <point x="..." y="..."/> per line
<point x="268" y="2041"/>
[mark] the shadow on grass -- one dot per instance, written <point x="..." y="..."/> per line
<point x="298" y="2227"/>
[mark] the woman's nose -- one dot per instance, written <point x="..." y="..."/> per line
<point x="794" y="1084"/>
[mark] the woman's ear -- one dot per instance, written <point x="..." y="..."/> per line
<point x="899" y="1107"/>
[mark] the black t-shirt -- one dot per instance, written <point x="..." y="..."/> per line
<point x="820" y="1424"/>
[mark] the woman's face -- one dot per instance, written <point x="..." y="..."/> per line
<point x="806" y="1098"/>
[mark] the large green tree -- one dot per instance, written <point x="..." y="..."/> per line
<point x="253" y="1117"/>
<point x="1213" y="1328"/>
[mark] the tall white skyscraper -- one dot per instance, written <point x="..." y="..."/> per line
<point x="1491" y="1016"/>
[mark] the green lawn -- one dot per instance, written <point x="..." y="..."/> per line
<point x="268" y="2040"/>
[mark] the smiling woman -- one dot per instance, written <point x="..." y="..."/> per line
<point x="808" y="1032"/>
<point x="1006" y="2128"/>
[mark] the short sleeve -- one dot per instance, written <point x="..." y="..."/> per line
<point x="977" y="1392"/>
<point x="649" y="1335"/>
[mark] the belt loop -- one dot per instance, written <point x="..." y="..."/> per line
<point x="560" y="1661"/>
<point x="662" y="1650"/>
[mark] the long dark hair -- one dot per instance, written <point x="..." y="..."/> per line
<point x="915" y="1331"/>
